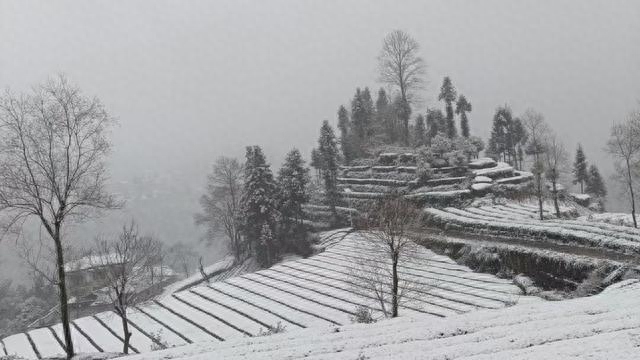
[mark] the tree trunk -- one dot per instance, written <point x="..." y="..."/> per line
<point x="126" y="332"/>
<point x="539" y="193"/>
<point x="555" y="198"/>
<point x="633" y="200"/>
<point x="62" y="292"/>
<point x="394" y="293"/>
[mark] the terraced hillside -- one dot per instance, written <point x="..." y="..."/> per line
<point x="317" y="292"/>
<point x="605" y="326"/>
<point x="521" y="220"/>
<point x="361" y="184"/>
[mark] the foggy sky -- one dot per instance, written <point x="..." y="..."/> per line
<point x="191" y="80"/>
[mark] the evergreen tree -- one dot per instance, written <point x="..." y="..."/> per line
<point x="594" y="183"/>
<point x="316" y="163"/>
<point x="328" y="152"/>
<point x="448" y="95"/>
<point x="259" y="205"/>
<point x="580" y="174"/>
<point x="359" y="115"/>
<point x="436" y="124"/>
<point x="496" y="138"/>
<point x="346" y="143"/>
<point x="343" y="121"/>
<point x="402" y="112"/>
<point x="419" y="132"/>
<point x="293" y="179"/>
<point x="369" y="111"/>
<point x="519" y="139"/>
<point x="267" y="241"/>
<point x="506" y="135"/>
<point x="383" y="120"/>
<point x="462" y="108"/>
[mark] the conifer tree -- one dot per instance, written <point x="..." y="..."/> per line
<point x="359" y="115"/>
<point x="594" y="184"/>
<point x="435" y="124"/>
<point x="383" y="120"/>
<point x="580" y="174"/>
<point x="419" y="132"/>
<point x="462" y="108"/>
<point x="496" y="138"/>
<point x="267" y="242"/>
<point x="293" y="179"/>
<point x="328" y="153"/>
<point x="259" y="205"/>
<point x="346" y="143"/>
<point x="507" y="134"/>
<point x="369" y="111"/>
<point x="343" y="121"/>
<point x="518" y="136"/>
<point x="316" y="163"/>
<point x="402" y="111"/>
<point x="448" y="95"/>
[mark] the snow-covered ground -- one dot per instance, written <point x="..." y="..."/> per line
<point x="605" y="326"/>
<point x="523" y="219"/>
<point x="319" y="292"/>
<point x="622" y="219"/>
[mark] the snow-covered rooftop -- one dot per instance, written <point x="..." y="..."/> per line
<point x="91" y="261"/>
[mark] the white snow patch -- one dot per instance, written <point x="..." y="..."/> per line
<point x="480" y="186"/>
<point x="482" y="179"/>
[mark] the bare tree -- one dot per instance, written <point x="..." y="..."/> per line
<point x="385" y="231"/>
<point x="183" y="257"/>
<point x="556" y="162"/>
<point x="156" y="264"/>
<point x="52" y="151"/>
<point x="400" y="65"/>
<point x="203" y="272"/>
<point x="221" y="203"/>
<point x="624" y="146"/>
<point x="125" y="263"/>
<point x="537" y="130"/>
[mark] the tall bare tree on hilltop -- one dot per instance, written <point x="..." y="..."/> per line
<point x="400" y="66"/>
<point x="53" y="145"/>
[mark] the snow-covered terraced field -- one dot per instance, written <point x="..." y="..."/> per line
<point x="523" y="219"/>
<point x="604" y="326"/>
<point x="318" y="292"/>
<point x="622" y="219"/>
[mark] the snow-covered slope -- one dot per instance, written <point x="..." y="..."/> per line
<point x="318" y="292"/>
<point x="622" y="219"/>
<point x="520" y="219"/>
<point x="605" y="326"/>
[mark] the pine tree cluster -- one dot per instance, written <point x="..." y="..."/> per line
<point x="272" y="209"/>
